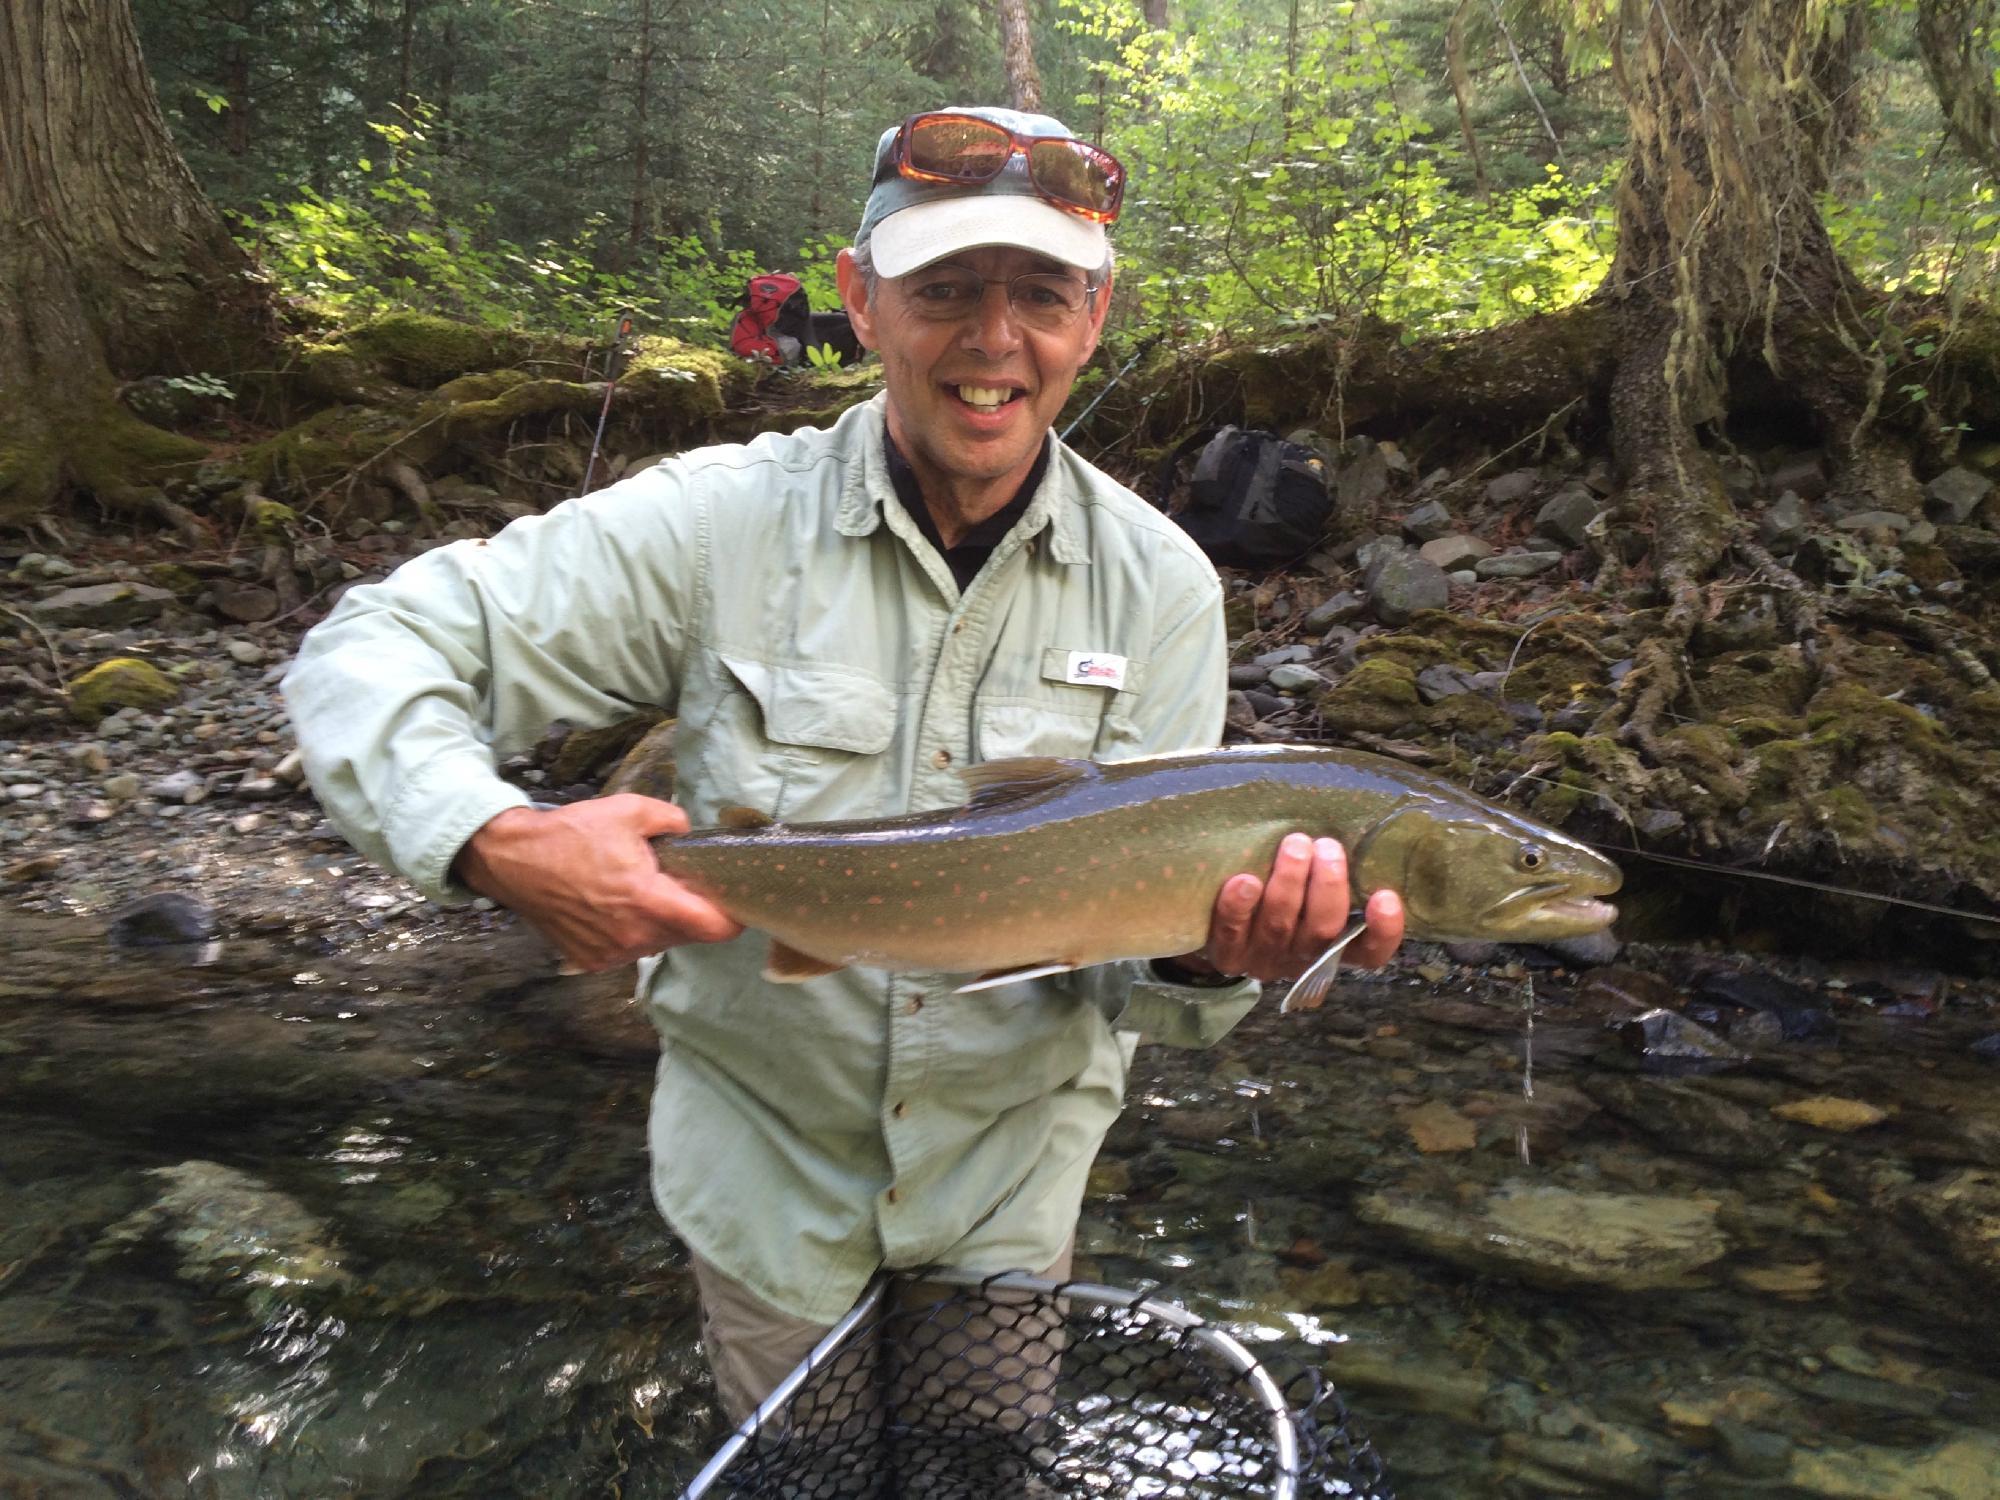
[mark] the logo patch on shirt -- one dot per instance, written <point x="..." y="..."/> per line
<point x="1096" y="669"/>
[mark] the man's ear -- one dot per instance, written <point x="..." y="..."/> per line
<point x="1099" y="306"/>
<point x="854" y="296"/>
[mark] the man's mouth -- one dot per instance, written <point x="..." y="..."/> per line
<point x="986" y="398"/>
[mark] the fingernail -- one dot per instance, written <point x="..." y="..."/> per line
<point x="1297" y="845"/>
<point x="1327" y="849"/>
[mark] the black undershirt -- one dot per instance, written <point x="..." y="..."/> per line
<point x="969" y="556"/>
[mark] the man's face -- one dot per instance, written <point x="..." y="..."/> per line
<point x="930" y="365"/>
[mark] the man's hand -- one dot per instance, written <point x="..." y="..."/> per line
<point x="586" y="879"/>
<point x="1275" y="928"/>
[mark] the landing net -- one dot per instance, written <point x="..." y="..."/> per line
<point x="959" y="1387"/>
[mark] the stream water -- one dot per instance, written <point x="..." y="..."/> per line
<point x="374" y="1223"/>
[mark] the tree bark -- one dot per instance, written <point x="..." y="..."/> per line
<point x="1736" y="111"/>
<point x="1017" y="50"/>
<point x="112" y="263"/>
<point x="1957" y="40"/>
<point x="642" y="94"/>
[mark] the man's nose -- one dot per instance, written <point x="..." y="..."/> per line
<point x="993" y="328"/>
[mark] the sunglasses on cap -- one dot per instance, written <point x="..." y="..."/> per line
<point x="1075" y="176"/>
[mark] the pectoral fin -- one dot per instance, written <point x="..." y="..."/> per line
<point x="1310" y="988"/>
<point x="742" y="818"/>
<point x="997" y="977"/>
<point x="787" y="965"/>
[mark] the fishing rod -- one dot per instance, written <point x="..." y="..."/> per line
<point x="1620" y="851"/>
<point x="614" y="364"/>
<point x="1125" y="369"/>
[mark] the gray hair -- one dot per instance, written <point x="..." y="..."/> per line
<point x="863" y="252"/>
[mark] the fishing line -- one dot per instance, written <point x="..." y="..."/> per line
<point x="1620" y="851"/>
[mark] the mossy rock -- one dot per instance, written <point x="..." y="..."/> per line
<point x="121" y="682"/>
<point x="326" y="447"/>
<point x="418" y="349"/>
<point x="1762" y="683"/>
<point x="169" y="575"/>
<point x="484" y="386"/>
<point x="1378" y="697"/>
<point x="1469" y="714"/>
<point x="1414" y="651"/>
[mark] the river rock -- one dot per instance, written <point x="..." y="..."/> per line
<point x="103" y="606"/>
<point x="231" y="1231"/>
<point x="1511" y="489"/>
<point x="1557" y="1237"/>
<point x="1405" y="584"/>
<point x="246" y="603"/>
<point x="1338" y="610"/>
<point x="1455" y="553"/>
<point x="1291" y="677"/>
<point x="1428" y="522"/>
<point x="1955" y="495"/>
<point x="1830" y="1112"/>
<point x="1874" y="520"/>
<point x="183" y="786"/>
<point x="1442" y="680"/>
<point x="1964" y="1210"/>
<point x="1248" y="675"/>
<point x="1516" y="564"/>
<point x="162" y="919"/>
<point x="1566" y="515"/>
<point x="1962" y="1467"/>
<point x="1363" y="478"/>
<point x="1670" y="1040"/>
<point x="1783" y="525"/>
<point x="121" y="682"/>
<point x="1282" y="655"/>
<point x="1804" y="475"/>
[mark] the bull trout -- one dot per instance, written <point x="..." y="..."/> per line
<point x="1053" y="865"/>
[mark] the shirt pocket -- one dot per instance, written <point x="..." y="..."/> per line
<point x="802" y="739"/>
<point x="1047" y="714"/>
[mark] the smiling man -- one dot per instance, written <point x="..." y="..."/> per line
<point x="841" y="620"/>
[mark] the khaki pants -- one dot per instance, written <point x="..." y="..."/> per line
<point x="992" y="1363"/>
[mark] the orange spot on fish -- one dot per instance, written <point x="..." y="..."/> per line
<point x="874" y="900"/>
<point x="777" y="867"/>
<point x="1024" y="880"/>
<point x="848" y="871"/>
<point x="937" y="921"/>
<point x="1166" y="872"/>
<point x="982" y="897"/>
<point x="908" y="904"/>
<point x="1138" y="885"/>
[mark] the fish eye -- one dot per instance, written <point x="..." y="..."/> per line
<point x="1531" y="857"/>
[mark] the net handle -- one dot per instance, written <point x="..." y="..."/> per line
<point x="774" y="1404"/>
<point x="1232" y="1352"/>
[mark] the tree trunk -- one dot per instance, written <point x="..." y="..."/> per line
<point x="112" y="263"/>
<point x="1735" y="109"/>
<point x="1958" y="41"/>
<point x="1017" y="50"/>
<point x="642" y="94"/>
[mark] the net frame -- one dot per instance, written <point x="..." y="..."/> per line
<point x="1283" y="1443"/>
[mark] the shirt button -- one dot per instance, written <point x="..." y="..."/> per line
<point x="916" y="1004"/>
<point x="958" y="627"/>
<point x="900" y="1110"/>
<point x="894" y="1196"/>
<point x="941" y="759"/>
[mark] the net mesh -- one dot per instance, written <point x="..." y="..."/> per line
<point x="985" y="1392"/>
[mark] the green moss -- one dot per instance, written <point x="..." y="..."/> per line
<point x="1843" y="811"/>
<point x="1708" y="746"/>
<point x="1468" y="714"/>
<point x="1561" y="795"/>
<point x="1419" y="651"/>
<point x="484" y="386"/>
<point x="121" y="682"/>
<point x="420" y="350"/>
<point x="173" y="576"/>
<point x="1379" y="697"/>
<point x="1855" y="715"/>
<point x="324" y="447"/>
<point x="1753" y="683"/>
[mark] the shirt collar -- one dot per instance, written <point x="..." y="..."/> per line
<point x="869" y="484"/>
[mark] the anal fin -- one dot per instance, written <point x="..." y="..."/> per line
<point x="786" y="965"/>
<point x="994" y="978"/>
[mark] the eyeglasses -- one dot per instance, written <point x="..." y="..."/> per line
<point x="1040" y="299"/>
<point x="1074" y="175"/>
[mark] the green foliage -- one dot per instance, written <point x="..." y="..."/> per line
<point x="389" y="246"/>
<point x="1284" y="182"/>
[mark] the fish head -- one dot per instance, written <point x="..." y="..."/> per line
<point x="1484" y="873"/>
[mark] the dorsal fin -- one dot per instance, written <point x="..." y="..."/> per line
<point x="1008" y="780"/>
<point x="745" y="818"/>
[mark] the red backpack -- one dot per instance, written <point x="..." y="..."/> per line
<point x="770" y="320"/>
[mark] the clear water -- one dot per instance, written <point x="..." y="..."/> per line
<point x="497" y="1311"/>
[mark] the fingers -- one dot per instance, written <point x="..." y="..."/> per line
<point x="1277" y="928"/>
<point x="586" y="878"/>
<point x="1384" y="935"/>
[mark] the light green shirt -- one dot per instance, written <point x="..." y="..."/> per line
<point x="823" y="664"/>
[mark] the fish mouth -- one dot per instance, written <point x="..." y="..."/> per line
<point x="1554" y="910"/>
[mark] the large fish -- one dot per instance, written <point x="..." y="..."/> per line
<point x="1052" y="864"/>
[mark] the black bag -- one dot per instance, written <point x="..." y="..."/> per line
<point x="1256" y="500"/>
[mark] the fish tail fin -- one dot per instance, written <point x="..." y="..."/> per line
<point x="1309" y="989"/>
<point x="787" y="965"/>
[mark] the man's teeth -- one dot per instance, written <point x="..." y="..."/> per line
<point x="982" y="395"/>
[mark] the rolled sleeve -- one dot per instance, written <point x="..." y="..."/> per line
<point x="408" y="693"/>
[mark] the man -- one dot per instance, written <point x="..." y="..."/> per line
<point x="840" y="620"/>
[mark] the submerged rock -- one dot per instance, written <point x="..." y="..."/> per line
<point x="1556" y="1237"/>
<point x="230" y="1230"/>
<point x="162" y="919"/>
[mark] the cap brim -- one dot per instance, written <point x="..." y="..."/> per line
<point x="924" y="232"/>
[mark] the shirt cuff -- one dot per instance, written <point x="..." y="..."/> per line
<point x="438" y="809"/>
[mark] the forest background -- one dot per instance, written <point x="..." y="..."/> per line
<point x="1441" y="164"/>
